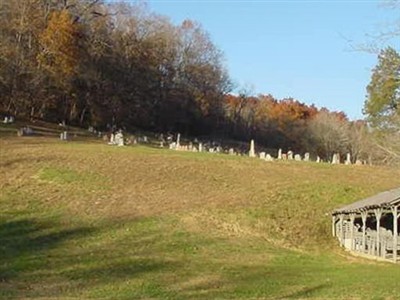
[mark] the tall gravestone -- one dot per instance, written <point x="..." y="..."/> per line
<point x="335" y="159"/>
<point x="280" y="154"/>
<point x="252" y="151"/>
<point x="348" y="159"/>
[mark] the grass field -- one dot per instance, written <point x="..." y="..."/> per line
<point x="87" y="220"/>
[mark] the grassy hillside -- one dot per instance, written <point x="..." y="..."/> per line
<point x="90" y="220"/>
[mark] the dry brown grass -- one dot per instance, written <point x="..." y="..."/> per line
<point x="208" y="189"/>
<point x="203" y="225"/>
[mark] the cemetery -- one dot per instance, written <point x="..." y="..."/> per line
<point x="166" y="202"/>
<point x="140" y="158"/>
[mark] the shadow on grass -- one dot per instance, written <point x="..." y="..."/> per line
<point x="47" y="259"/>
<point x="305" y="292"/>
<point x="24" y="242"/>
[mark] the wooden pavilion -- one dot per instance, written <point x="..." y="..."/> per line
<point x="370" y="227"/>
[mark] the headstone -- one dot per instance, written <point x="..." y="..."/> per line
<point x="200" y="147"/>
<point x="11" y="119"/>
<point x="335" y="159"/>
<point x="25" y="131"/>
<point x="280" y="154"/>
<point x="161" y="144"/>
<point x="211" y="150"/>
<point x="348" y="159"/>
<point x="297" y="157"/>
<point x="290" y="155"/>
<point x="262" y="155"/>
<point x="112" y="139"/>
<point x="284" y="156"/>
<point x="119" y="139"/>
<point x="172" y="146"/>
<point x="63" y="136"/>
<point x="268" y="157"/>
<point x="252" y="151"/>
<point x="5" y="120"/>
<point x="318" y="159"/>
<point x="358" y="162"/>
<point x="306" y="156"/>
<point x="145" y="139"/>
<point x="178" y="139"/>
<point x="231" y="151"/>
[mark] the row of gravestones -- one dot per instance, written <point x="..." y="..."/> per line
<point x="297" y="157"/>
<point x="118" y="139"/>
<point x="8" y="120"/>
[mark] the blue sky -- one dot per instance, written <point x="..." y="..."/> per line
<point x="298" y="49"/>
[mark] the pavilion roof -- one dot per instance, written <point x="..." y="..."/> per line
<point x="385" y="199"/>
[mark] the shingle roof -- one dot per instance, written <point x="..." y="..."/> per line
<point x="384" y="199"/>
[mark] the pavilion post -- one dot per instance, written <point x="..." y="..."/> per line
<point x="352" y="217"/>
<point x="364" y="215"/>
<point x="333" y="225"/>
<point x="341" y="218"/>
<point x="395" y="232"/>
<point x="378" y="215"/>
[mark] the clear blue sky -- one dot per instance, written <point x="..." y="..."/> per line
<point x="296" y="49"/>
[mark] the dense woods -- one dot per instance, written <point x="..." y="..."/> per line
<point x="92" y="62"/>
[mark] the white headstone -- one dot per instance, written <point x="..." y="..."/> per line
<point x="290" y="155"/>
<point x="119" y="139"/>
<point x="306" y="156"/>
<point x="64" y="136"/>
<point x="231" y="151"/>
<point x="318" y="159"/>
<point x="268" y="157"/>
<point x="280" y="154"/>
<point x="200" y="147"/>
<point x="335" y="159"/>
<point x="112" y="139"/>
<point x="348" y="159"/>
<point x="178" y="139"/>
<point x="252" y="151"/>
<point x="262" y="155"/>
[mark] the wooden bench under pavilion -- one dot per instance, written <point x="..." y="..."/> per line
<point x="370" y="226"/>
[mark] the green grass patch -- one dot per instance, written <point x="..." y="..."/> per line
<point x="67" y="176"/>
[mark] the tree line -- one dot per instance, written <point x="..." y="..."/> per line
<point x="92" y="62"/>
